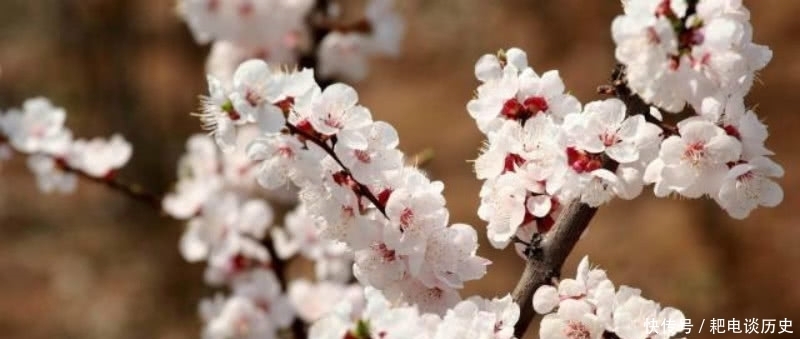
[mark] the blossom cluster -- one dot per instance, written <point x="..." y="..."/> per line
<point x="701" y="53"/>
<point x="589" y="306"/>
<point x="379" y="318"/>
<point x="258" y="306"/>
<point x="352" y="180"/>
<point x="300" y="235"/>
<point x="684" y="51"/>
<point x="545" y="149"/>
<point x="282" y="31"/>
<point x="228" y="220"/>
<point x="344" y="53"/>
<point x="54" y="156"/>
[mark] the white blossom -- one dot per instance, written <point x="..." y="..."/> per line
<point x="273" y="22"/>
<point x="219" y="116"/>
<point x="345" y="54"/>
<point x="50" y="177"/>
<point x="589" y="306"/>
<point x="471" y="318"/>
<point x="604" y="127"/>
<point x="694" y="163"/>
<point x="98" y="157"/>
<point x="512" y="90"/>
<point x="747" y="186"/>
<point x="38" y="127"/>
<point x="336" y="110"/>
<point x="223" y="216"/>
<point x="313" y="301"/>
<point x="671" y="59"/>
<point x="300" y="234"/>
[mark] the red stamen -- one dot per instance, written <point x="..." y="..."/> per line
<point x="512" y="161"/>
<point x="536" y="104"/>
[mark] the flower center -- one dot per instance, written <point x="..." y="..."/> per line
<point x="511" y="108"/>
<point x="240" y="262"/>
<point x="435" y="293"/>
<point x="536" y="105"/>
<point x="652" y="36"/>
<point x="609" y="139"/>
<point x="286" y="152"/>
<point x="286" y="104"/>
<point x="514" y="110"/>
<point x="331" y="121"/>
<point x="385" y="253"/>
<point x="406" y="218"/>
<point x="348" y="212"/>
<point x="576" y="330"/>
<point x="252" y="97"/>
<point x="581" y="161"/>
<point x="263" y="304"/>
<point x="362" y="156"/>
<point x="512" y="161"/>
<point x="695" y="152"/>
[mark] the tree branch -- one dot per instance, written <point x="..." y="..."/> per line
<point x="316" y="21"/>
<point x="555" y="248"/>
<point x="545" y="263"/>
<point x="110" y="180"/>
<point x="133" y="191"/>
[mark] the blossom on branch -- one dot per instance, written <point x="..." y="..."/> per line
<point x="38" y="130"/>
<point x="544" y="149"/>
<point x="292" y="32"/>
<point x="354" y="185"/>
<point x="590" y="307"/>
<point x="678" y="51"/>
<point x="471" y="318"/>
<point x="538" y="157"/>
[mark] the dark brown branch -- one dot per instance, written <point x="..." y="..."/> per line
<point x="546" y="264"/>
<point x="278" y="265"/>
<point x="316" y="21"/>
<point x="546" y="261"/>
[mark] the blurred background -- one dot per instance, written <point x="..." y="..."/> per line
<point x="96" y="265"/>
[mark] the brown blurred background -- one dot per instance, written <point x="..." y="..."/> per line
<point x="96" y="265"/>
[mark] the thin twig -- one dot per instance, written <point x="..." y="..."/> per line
<point x="133" y="191"/>
<point x="361" y="189"/>
<point x="111" y="181"/>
